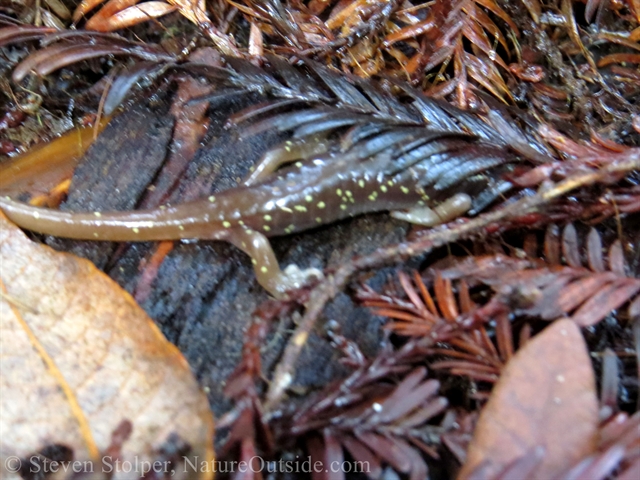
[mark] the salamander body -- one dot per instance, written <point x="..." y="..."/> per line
<point x="423" y="174"/>
<point x="308" y="194"/>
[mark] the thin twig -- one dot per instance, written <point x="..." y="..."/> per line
<point x="332" y="285"/>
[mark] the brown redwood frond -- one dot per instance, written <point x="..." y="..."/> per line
<point x="534" y="289"/>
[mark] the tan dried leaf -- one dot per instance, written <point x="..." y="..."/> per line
<point x="79" y="357"/>
<point x="130" y="16"/>
<point x="546" y="397"/>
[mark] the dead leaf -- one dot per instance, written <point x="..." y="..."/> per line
<point x="545" y="398"/>
<point x="79" y="357"/>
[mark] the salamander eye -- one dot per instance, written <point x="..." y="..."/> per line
<point x="451" y="208"/>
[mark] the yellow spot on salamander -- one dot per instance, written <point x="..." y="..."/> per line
<point x="404" y="189"/>
<point x="266" y="228"/>
<point x="226" y="224"/>
<point x="300" y="208"/>
<point x="318" y="220"/>
<point x="95" y="234"/>
<point x="343" y="207"/>
<point x="36" y="215"/>
<point x="383" y="188"/>
<point x="348" y="193"/>
<point x="373" y="196"/>
<point x="321" y="205"/>
<point x="361" y="183"/>
<point x="212" y="198"/>
<point x="390" y="183"/>
<point x="287" y="148"/>
<point x="299" y="164"/>
<point x="97" y="214"/>
<point x="290" y="228"/>
<point x="264" y="269"/>
<point x="339" y="192"/>
<point x="180" y="227"/>
<point x="300" y="339"/>
<point x="136" y="230"/>
<point x="254" y="261"/>
<point x="240" y="222"/>
<point x="309" y="198"/>
<point x="267" y="218"/>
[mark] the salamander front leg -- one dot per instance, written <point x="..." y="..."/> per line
<point x="451" y="208"/>
<point x="265" y="264"/>
<point x="295" y="149"/>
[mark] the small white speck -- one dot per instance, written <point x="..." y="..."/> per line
<point x="560" y="378"/>
<point x="286" y="380"/>
<point x="377" y="407"/>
